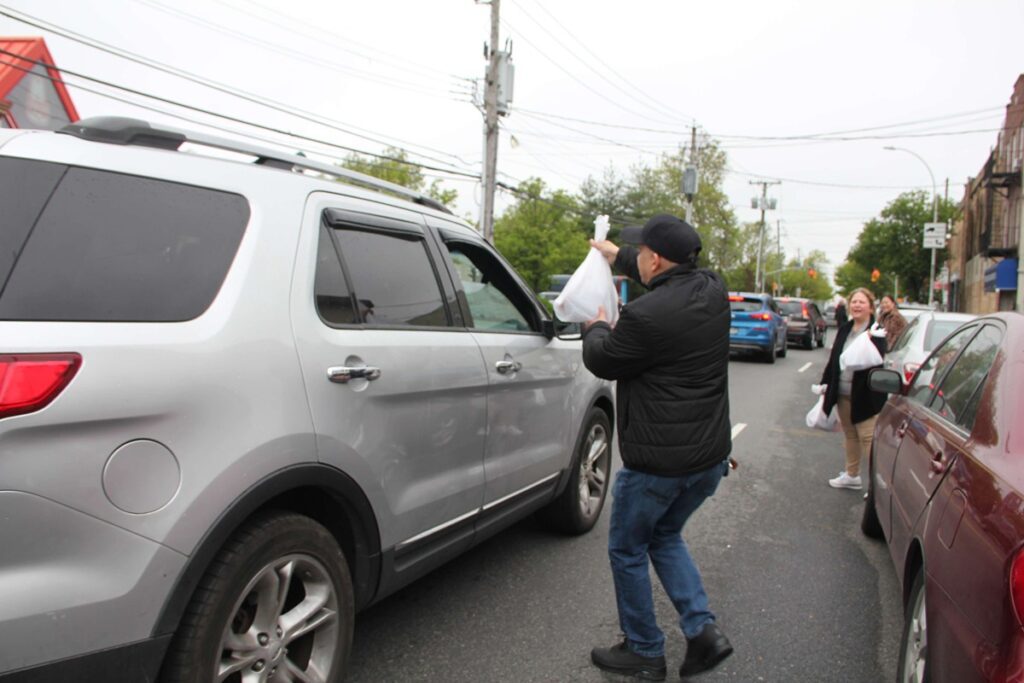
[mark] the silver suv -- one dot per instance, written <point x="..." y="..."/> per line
<point x="243" y="398"/>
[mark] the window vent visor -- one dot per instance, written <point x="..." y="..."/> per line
<point x="30" y="381"/>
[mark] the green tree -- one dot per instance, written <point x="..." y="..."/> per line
<point x="656" y="189"/>
<point x="540" y="234"/>
<point x="891" y="244"/>
<point x="797" y="277"/>
<point x="394" y="167"/>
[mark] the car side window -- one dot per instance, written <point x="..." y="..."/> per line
<point x="390" y="279"/>
<point x="936" y="365"/>
<point x="959" y="393"/>
<point x="494" y="300"/>
<point x="905" y="336"/>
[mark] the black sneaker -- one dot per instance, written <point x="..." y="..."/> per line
<point x="706" y="651"/>
<point x="619" y="659"/>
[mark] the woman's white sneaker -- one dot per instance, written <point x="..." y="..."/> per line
<point x="844" y="481"/>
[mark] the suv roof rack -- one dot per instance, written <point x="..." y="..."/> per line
<point x="121" y="130"/>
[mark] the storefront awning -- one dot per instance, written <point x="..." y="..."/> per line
<point x="1002" y="276"/>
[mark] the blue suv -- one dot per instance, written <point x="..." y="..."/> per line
<point x="757" y="325"/>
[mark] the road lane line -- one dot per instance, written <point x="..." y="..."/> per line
<point x="737" y="428"/>
<point x="806" y="365"/>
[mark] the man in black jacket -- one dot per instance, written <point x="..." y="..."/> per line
<point x="669" y="353"/>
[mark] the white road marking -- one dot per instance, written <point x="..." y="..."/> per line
<point x="806" y="365"/>
<point x="737" y="428"/>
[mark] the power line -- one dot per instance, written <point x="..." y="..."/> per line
<point x="214" y="114"/>
<point x="294" y="54"/>
<point x="274" y="105"/>
<point x="342" y="43"/>
<point x="573" y="76"/>
<point x="608" y="66"/>
<point x="582" y="61"/>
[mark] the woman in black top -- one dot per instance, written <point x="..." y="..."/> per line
<point x="848" y="390"/>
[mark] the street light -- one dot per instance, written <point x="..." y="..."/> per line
<point x="935" y="212"/>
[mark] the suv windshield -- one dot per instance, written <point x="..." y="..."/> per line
<point x="745" y="305"/>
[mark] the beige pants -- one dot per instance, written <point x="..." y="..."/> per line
<point x="857" y="436"/>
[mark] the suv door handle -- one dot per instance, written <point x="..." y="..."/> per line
<point x="341" y="374"/>
<point x="507" y="367"/>
<point x="938" y="463"/>
<point x="902" y="429"/>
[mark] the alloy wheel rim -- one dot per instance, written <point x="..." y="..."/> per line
<point x="284" y="627"/>
<point x="593" y="470"/>
<point x="917" y="643"/>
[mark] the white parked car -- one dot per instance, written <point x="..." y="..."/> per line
<point x="923" y="333"/>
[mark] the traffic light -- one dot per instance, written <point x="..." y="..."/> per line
<point x="875" y="274"/>
<point x="813" y="273"/>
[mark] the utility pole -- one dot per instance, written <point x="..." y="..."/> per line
<point x="491" y="126"/>
<point x="763" y="204"/>
<point x="690" y="176"/>
<point x="778" y="246"/>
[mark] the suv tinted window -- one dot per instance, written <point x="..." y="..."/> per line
<point x="24" y="188"/>
<point x="112" y="247"/>
<point x="392" y="278"/>
<point x="745" y="305"/>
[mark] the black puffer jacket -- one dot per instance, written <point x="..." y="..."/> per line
<point x="669" y="353"/>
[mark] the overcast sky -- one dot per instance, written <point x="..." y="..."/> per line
<point x="932" y="76"/>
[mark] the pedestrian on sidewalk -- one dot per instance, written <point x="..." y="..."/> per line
<point x="669" y="354"/>
<point x="848" y="390"/>
<point x="891" y="320"/>
<point x="840" y="313"/>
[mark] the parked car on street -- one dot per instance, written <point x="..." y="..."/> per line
<point x="830" y="314"/>
<point x="806" y="324"/>
<point x="242" y="399"/>
<point x="946" y="492"/>
<point x="757" y="325"/>
<point x="921" y="335"/>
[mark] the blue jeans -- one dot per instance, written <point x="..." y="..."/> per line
<point x="648" y="514"/>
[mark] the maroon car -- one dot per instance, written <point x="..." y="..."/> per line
<point x="946" y="490"/>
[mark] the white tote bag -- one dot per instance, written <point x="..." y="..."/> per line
<point x="590" y="286"/>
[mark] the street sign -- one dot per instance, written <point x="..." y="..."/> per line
<point x="934" y="235"/>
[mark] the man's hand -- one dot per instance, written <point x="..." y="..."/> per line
<point x="607" y="248"/>
<point x="601" y="317"/>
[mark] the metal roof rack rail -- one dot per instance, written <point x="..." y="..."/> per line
<point x="128" y="131"/>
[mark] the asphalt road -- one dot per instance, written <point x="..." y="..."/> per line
<point x="801" y="593"/>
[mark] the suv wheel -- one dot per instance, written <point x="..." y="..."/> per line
<point x="913" y="666"/>
<point x="276" y="604"/>
<point x="769" y="353"/>
<point x="576" y="510"/>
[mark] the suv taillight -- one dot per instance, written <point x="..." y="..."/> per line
<point x="1017" y="586"/>
<point x="803" y="311"/>
<point x="761" y="316"/>
<point x="29" y="381"/>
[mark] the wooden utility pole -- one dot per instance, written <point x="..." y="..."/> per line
<point x="491" y="127"/>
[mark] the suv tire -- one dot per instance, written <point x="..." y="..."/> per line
<point x="269" y="569"/>
<point x="577" y="508"/>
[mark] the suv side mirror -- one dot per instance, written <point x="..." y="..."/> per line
<point x="885" y="380"/>
<point x="563" y="330"/>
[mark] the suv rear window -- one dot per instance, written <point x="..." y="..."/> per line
<point x="792" y="307"/>
<point x="745" y="305"/>
<point x="112" y="247"/>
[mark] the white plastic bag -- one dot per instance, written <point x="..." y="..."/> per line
<point x="590" y="286"/>
<point x="817" y="418"/>
<point x="860" y="354"/>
